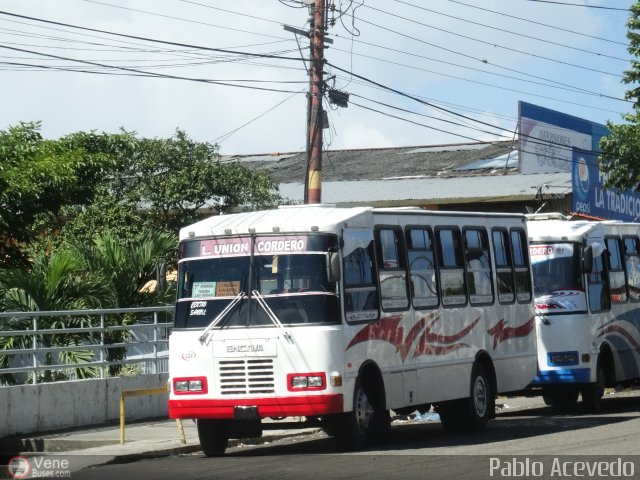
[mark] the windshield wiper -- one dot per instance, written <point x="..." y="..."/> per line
<point x="221" y="315"/>
<point x="272" y="316"/>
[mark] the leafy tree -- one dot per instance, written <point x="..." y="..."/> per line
<point x="133" y="273"/>
<point x="175" y="179"/>
<point x="38" y="177"/>
<point x="620" y="158"/>
<point x="129" y="270"/>
<point x="54" y="281"/>
<point x="62" y="193"/>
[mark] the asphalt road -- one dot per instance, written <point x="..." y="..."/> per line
<point x="529" y="441"/>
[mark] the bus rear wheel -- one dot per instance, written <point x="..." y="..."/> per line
<point x="562" y="399"/>
<point x="592" y="393"/>
<point x="472" y="413"/>
<point x="213" y="436"/>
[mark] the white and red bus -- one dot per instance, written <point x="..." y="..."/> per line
<point x="342" y="314"/>
<point x="587" y="295"/>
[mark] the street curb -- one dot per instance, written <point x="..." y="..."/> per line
<point x="185" y="449"/>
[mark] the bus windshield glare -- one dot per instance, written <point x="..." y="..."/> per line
<point x="556" y="267"/>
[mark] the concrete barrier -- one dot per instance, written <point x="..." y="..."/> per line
<point x="53" y="406"/>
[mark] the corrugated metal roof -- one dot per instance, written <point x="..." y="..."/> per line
<point x="506" y="160"/>
<point x="377" y="163"/>
<point x="267" y="157"/>
<point x="443" y="148"/>
<point x="415" y="175"/>
<point x="411" y="191"/>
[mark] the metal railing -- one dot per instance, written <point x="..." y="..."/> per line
<point x="41" y="346"/>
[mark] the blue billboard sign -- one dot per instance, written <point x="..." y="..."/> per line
<point x="591" y="199"/>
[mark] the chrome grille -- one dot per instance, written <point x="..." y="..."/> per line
<point x="246" y="377"/>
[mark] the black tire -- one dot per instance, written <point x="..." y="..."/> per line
<point x="548" y="399"/>
<point x="381" y="425"/>
<point x="213" y="436"/>
<point x="472" y="413"/>
<point x="450" y="415"/>
<point x="562" y="399"/>
<point x="361" y="425"/>
<point x="593" y="392"/>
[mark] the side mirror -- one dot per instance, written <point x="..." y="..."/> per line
<point x="587" y="259"/>
<point x="333" y="267"/>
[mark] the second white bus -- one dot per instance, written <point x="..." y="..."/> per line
<point x="343" y="314"/>
<point x="587" y="296"/>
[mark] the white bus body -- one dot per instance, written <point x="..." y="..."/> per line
<point x="587" y="295"/>
<point x="341" y="314"/>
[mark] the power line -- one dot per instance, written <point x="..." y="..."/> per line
<point x="504" y="68"/>
<point x="528" y="20"/>
<point x="492" y="27"/>
<point x="435" y="101"/>
<point x="225" y="136"/>
<point x="525" y="151"/>
<point x="406" y="95"/>
<point x="411" y="97"/>
<point x="183" y="19"/>
<point x="444" y="120"/>
<point x="580" y="5"/>
<point x="515" y="50"/>
<point x="198" y="61"/>
<point x="560" y="86"/>
<point x="232" y="12"/>
<point x="148" y="39"/>
<point x="536" y="142"/>
<point x="194" y="54"/>
<point x="151" y="74"/>
<point x="414" y="123"/>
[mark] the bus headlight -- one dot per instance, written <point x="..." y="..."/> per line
<point x="306" y="381"/>
<point x="182" y="386"/>
<point x="315" y="381"/>
<point x="195" y="385"/>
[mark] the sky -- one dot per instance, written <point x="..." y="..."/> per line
<point x="417" y="72"/>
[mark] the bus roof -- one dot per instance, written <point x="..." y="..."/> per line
<point x="312" y="218"/>
<point x="295" y="218"/>
<point x="554" y="228"/>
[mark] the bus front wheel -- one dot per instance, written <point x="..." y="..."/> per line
<point x="365" y="423"/>
<point x="213" y="436"/>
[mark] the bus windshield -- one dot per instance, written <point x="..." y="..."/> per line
<point x="556" y="268"/>
<point x="294" y="286"/>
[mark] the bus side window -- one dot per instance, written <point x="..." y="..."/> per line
<point x="360" y="288"/>
<point x="521" y="265"/>
<point x="392" y="268"/>
<point x="632" y="264"/>
<point x="599" y="296"/>
<point x="422" y="267"/>
<point x="503" y="259"/>
<point x="478" y="266"/>
<point x="451" y="267"/>
<point x="617" y="279"/>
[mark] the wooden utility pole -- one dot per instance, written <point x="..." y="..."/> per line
<point x="315" y="117"/>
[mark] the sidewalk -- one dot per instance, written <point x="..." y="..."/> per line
<point x="90" y="446"/>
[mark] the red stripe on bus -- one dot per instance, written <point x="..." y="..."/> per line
<point x="267" y="407"/>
